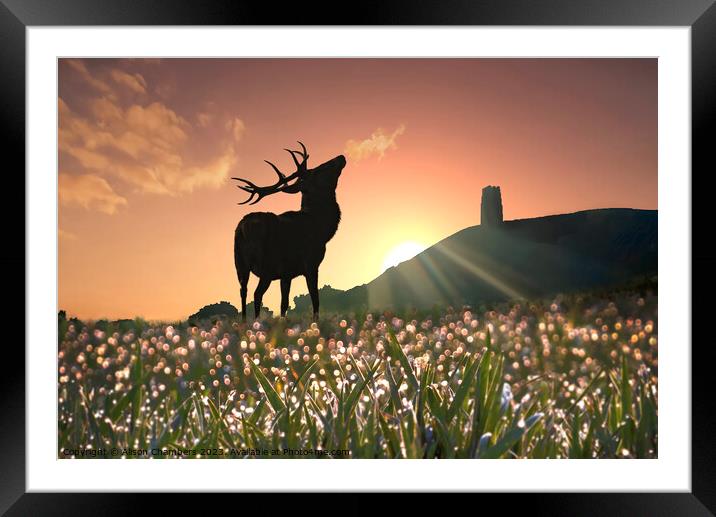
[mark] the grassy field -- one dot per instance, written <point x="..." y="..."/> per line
<point x="574" y="377"/>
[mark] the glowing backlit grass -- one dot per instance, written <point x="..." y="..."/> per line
<point x="574" y="377"/>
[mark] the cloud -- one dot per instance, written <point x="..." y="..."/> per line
<point x="65" y="235"/>
<point x="89" y="191"/>
<point x="104" y="111"/>
<point x="237" y="128"/>
<point x="143" y="146"/>
<point x="376" y="145"/>
<point x="79" y="67"/>
<point x="156" y="123"/>
<point x="147" y="145"/>
<point x="134" y="82"/>
<point x="204" y="119"/>
<point x="210" y="175"/>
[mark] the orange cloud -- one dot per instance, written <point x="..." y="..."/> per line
<point x="143" y="146"/>
<point x="104" y="110"/>
<point x="238" y="128"/>
<point x="157" y="123"/>
<point x="204" y="119"/>
<point x="90" y="192"/>
<point x="134" y="82"/>
<point x="376" y="145"/>
<point x="85" y="74"/>
<point x="64" y="234"/>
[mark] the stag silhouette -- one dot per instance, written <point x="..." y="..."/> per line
<point x="284" y="246"/>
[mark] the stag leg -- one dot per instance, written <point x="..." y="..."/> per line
<point x="259" y="294"/>
<point x="285" y="288"/>
<point x="312" y="284"/>
<point x="244" y="282"/>
<point x="244" y="290"/>
<point x="242" y="271"/>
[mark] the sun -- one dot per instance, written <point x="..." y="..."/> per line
<point x="400" y="253"/>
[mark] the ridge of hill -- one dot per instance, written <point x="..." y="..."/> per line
<point x="517" y="259"/>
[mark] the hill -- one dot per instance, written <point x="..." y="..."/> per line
<point x="523" y="258"/>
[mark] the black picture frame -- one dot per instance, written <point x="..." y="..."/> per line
<point x="700" y="15"/>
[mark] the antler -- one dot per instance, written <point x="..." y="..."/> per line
<point x="282" y="185"/>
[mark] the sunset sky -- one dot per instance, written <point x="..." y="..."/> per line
<point x="147" y="211"/>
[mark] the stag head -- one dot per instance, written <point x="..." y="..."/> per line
<point x="321" y="179"/>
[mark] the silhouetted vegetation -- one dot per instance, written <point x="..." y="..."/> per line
<point x="214" y="311"/>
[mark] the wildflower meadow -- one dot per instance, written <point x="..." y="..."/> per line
<point x="569" y="377"/>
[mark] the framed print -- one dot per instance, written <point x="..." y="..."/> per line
<point x="451" y="246"/>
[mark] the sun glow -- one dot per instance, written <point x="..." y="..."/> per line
<point x="400" y="253"/>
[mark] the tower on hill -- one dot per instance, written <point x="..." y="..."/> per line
<point x="491" y="208"/>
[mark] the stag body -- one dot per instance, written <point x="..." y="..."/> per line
<point x="284" y="246"/>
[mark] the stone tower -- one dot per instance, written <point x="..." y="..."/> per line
<point x="491" y="209"/>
